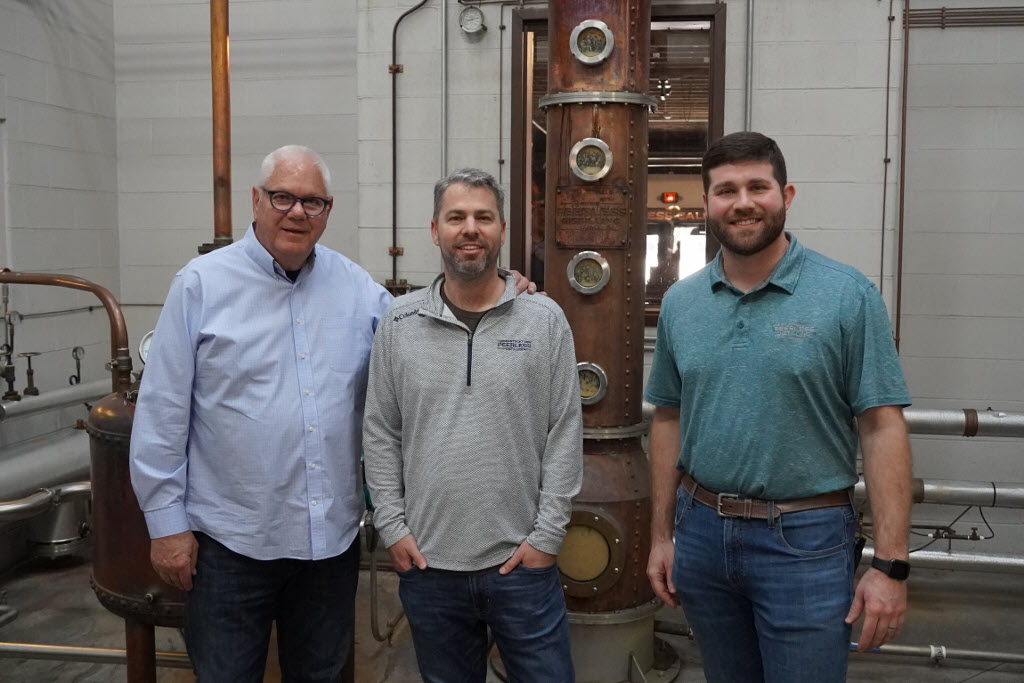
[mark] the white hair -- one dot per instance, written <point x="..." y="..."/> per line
<point x="289" y="152"/>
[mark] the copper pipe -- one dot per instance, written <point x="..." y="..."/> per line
<point x="120" y="357"/>
<point x="221" y="85"/>
<point x="903" y="174"/>
<point x="140" y="646"/>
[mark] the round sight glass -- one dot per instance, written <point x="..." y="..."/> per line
<point x="590" y="160"/>
<point x="591" y="41"/>
<point x="284" y="201"/>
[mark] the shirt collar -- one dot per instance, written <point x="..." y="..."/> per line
<point x="785" y="275"/>
<point x="258" y="253"/>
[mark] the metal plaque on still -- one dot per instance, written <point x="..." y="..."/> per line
<point x="591" y="217"/>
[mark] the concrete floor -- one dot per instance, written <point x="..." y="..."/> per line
<point x="958" y="610"/>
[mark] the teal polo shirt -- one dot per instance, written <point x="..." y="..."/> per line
<point x="768" y="383"/>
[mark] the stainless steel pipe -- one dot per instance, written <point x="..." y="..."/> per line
<point x="998" y="494"/>
<point x="92" y="655"/>
<point x="44" y="463"/>
<point x="42" y="500"/>
<point x="940" y="652"/>
<point x="54" y="399"/>
<point x="966" y="422"/>
<point x="976" y="562"/>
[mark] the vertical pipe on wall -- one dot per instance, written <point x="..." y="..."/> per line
<point x="220" y="72"/>
<point x="903" y="173"/>
<point x="444" y="88"/>
<point x="885" y="156"/>
<point x="748" y="103"/>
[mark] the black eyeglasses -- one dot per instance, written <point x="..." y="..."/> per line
<point x="284" y="201"/>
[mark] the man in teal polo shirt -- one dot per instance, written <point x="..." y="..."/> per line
<point x="770" y="363"/>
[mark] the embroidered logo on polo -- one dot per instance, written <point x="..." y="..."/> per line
<point x="792" y="331"/>
<point x="515" y="344"/>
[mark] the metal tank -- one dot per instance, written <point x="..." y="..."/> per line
<point x="123" y="579"/>
<point x="595" y="246"/>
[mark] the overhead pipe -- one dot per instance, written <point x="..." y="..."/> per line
<point x="43" y="500"/>
<point x="58" y="398"/>
<point x="120" y="357"/>
<point x="961" y="561"/>
<point x="89" y="655"/>
<point x="220" y="83"/>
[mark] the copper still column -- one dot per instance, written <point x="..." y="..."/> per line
<point x="595" y="248"/>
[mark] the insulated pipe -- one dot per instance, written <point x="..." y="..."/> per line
<point x="42" y="500"/>
<point x="220" y="77"/>
<point x="54" y="399"/>
<point x="966" y="422"/>
<point x="120" y="356"/>
<point x="57" y="459"/>
<point x="951" y="492"/>
<point x="976" y="562"/>
<point x="91" y="655"/>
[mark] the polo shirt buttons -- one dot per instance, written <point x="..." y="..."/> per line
<point x="740" y="325"/>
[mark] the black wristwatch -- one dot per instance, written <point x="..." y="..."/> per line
<point x="894" y="569"/>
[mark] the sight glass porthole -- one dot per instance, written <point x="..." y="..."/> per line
<point x="591" y="41"/>
<point x="588" y="272"/>
<point x="593" y="382"/>
<point x="590" y="159"/>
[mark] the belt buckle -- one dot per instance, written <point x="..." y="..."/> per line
<point x="726" y="496"/>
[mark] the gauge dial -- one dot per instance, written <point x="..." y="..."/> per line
<point x="471" y="20"/>
<point x="588" y="272"/>
<point x="593" y="382"/>
<point x="144" y="346"/>
<point x="14" y="318"/>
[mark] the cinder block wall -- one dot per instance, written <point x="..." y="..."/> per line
<point x="293" y="80"/>
<point x="59" y="211"/>
<point x="962" y="318"/>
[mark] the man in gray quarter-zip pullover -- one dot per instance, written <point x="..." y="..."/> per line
<point x="473" y="445"/>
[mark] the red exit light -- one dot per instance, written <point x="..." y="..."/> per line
<point x="670" y="197"/>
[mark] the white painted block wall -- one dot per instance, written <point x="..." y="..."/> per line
<point x="58" y="212"/>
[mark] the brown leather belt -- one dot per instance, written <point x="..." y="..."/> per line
<point x="735" y="505"/>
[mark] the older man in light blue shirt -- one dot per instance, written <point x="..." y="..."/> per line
<point x="245" y="448"/>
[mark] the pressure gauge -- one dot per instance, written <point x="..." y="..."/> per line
<point x="591" y="41"/>
<point x="78" y="353"/>
<point x="588" y="272"/>
<point x="147" y="339"/>
<point x="471" y="20"/>
<point x="590" y="159"/>
<point x="14" y="318"/>
<point x="593" y="382"/>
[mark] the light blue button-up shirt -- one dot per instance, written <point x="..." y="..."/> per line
<point x="249" y="416"/>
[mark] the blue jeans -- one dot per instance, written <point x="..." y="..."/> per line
<point x="235" y="599"/>
<point x="449" y="613"/>
<point x="766" y="599"/>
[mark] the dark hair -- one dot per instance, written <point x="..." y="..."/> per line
<point x="473" y="177"/>
<point x="739" y="147"/>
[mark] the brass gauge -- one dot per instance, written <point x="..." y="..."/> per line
<point x="593" y="382"/>
<point x="590" y="159"/>
<point x="588" y="272"/>
<point x="591" y="41"/>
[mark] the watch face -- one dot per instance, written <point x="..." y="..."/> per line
<point x="894" y="569"/>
